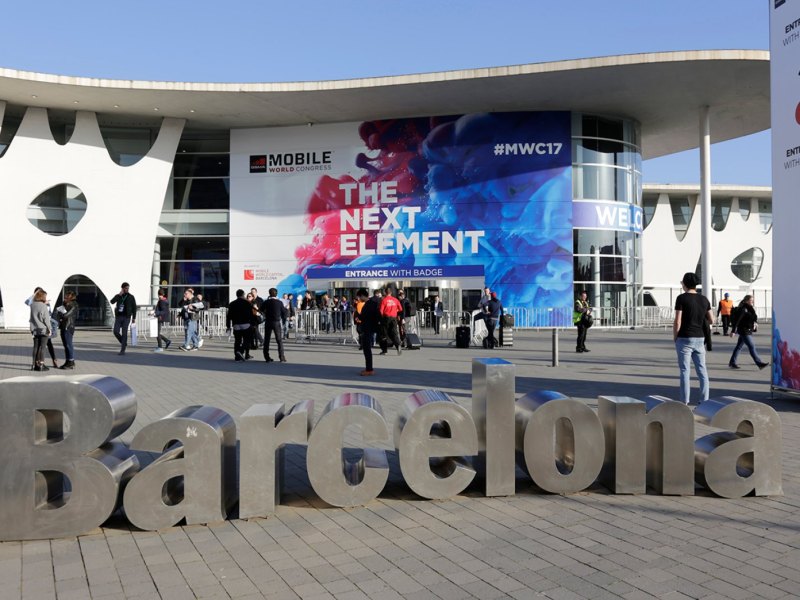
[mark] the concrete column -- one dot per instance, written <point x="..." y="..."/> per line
<point x="705" y="201"/>
<point x="155" y="277"/>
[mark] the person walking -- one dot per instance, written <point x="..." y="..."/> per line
<point x="238" y="319"/>
<point x="189" y="314"/>
<point x="66" y="315"/>
<point x="745" y="323"/>
<point x="390" y="310"/>
<point x="40" y="325"/>
<point x="438" y="313"/>
<point x="724" y="312"/>
<point x="201" y="306"/>
<point x="161" y="313"/>
<point x="274" y="312"/>
<point x="494" y="310"/>
<point x="691" y="309"/>
<point x="580" y="317"/>
<point x="367" y="323"/>
<point x="125" y="315"/>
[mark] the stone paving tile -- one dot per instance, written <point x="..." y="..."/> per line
<point x="588" y="545"/>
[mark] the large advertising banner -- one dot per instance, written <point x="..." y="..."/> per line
<point x="436" y="198"/>
<point x="785" y="105"/>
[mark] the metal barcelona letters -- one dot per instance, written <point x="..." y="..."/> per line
<point x="63" y="474"/>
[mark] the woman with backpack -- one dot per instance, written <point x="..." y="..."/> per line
<point x="744" y="321"/>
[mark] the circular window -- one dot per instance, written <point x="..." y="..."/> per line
<point x="58" y="210"/>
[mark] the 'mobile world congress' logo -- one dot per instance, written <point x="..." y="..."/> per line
<point x="291" y="162"/>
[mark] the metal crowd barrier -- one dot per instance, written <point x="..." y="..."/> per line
<point x="307" y="329"/>
<point x="308" y="324"/>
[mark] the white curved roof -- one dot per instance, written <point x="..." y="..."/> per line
<point x="663" y="91"/>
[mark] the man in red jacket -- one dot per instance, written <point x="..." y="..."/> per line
<point x="390" y="309"/>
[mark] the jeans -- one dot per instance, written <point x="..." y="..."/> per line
<point x="66" y="339"/>
<point x="121" y="324"/>
<point x="748" y="341"/>
<point x="692" y="350"/>
<point x="190" y="330"/>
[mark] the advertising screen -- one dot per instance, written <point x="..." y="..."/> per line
<point x="785" y="105"/>
<point x="437" y="198"/>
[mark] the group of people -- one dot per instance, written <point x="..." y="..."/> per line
<point x="44" y="323"/>
<point x="382" y="318"/>
<point x="244" y="316"/>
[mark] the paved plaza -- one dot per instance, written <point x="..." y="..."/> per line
<point x="588" y="545"/>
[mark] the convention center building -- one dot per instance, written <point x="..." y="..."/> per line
<point x="527" y="179"/>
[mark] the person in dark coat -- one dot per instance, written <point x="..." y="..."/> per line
<point x="66" y="314"/>
<point x="368" y="323"/>
<point x="274" y="313"/>
<point x="125" y="312"/>
<point x="161" y="313"/>
<point x="745" y="323"/>
<point x="240" y="315"/>
<point x="493" y="311"/>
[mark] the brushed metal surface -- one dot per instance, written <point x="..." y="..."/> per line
<point x="264" y="431"/>
<point x="193" y="479"/>
<point x="493" y="386"/>
<point x="340" y="481"/>
<point x="561" y="441"/>
<point x="648" y="442"/>
<point x="59" y="475"/>
<point x="745" y="458"/>
<point x="434" y="436"/>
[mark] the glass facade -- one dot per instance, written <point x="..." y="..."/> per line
<point x="192" y="248"/>
<point x="607" y="166"/>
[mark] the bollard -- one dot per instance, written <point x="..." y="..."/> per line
<point x="555" y="347"/>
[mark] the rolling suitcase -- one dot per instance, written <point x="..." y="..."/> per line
<point x="462" y="337"/>
<point x="413" y="342"/>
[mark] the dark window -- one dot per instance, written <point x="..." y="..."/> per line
<point x="194" y="273"/>
<point x="201" y="165"/>
<point x="194" y="248"/>
<point x="201" y="194"/>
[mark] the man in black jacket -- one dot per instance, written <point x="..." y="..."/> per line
<point x="274" y="312"/>
<point x="240" y="311"/>
<point x="125" y="315"/>
<point x="161" y="313"/>
<point x="368" y="321"/>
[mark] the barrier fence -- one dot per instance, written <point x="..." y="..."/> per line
<point x="312" y="325"/>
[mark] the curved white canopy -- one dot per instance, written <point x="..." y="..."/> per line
<point x="663" y="91"/>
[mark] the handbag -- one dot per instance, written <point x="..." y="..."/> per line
<point x="587" y="320"/>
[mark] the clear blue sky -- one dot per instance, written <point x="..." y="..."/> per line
<point x="270" y="41"/>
